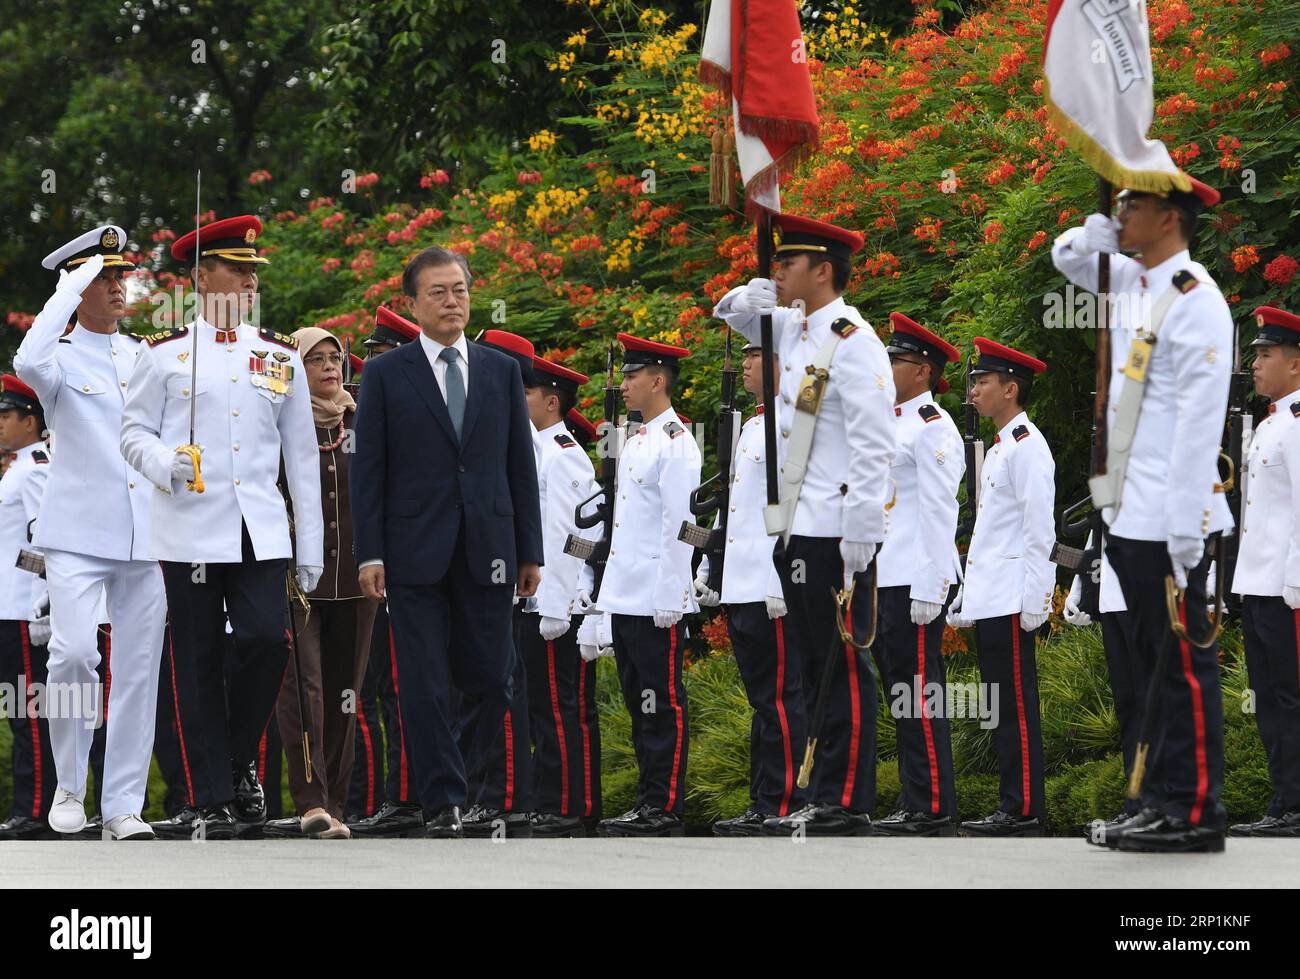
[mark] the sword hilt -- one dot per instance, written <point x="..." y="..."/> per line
<point x="194" y="485"/>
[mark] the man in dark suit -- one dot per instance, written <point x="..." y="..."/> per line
<point x="445" y="509"/>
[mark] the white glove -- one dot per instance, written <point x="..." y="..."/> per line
<point x="666" y="619"/>
<point x="40" y="604"/>
<point x="923" y="613"/>
<point x="704" y="594"/>
<point x="955" y="618"/>
<point x="1073" y="614"/>
<point x="1100" y="234"/>
<point x="582" y="602"/>
<point x="550" y="628"/>
<point x="1291" y="596"/>
<point x="757" y="297"/>
<point x="776" y="608"/>
<point x="1032" y="621"/>
<point x="182" y="466"/>
<point x="38" y="631"/>
<point x="74" y="283"/>
<point x="309" y="578"/>
<point x="1184" y="554"/>
<point x="857" y="558"/>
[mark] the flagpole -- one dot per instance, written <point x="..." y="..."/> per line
<point x="1101" y="405"/>
<point x="764" y="229"/>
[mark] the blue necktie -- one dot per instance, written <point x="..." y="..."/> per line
<point x="455" y="388"/>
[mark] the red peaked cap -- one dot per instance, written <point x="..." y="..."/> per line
<point x="557" y="376"/>
<point x="581" y="427"/>
<point x="797" y="234"/>
<point x="1201" y="195"/>
<point x="912" y="336"/>
<point x="999" y="358"/>
<point x="518" y="348"/>
<point x="391" y="328"/>
<point x="229" y="238"/>
<point x="15" y="394"/>
<point x="357" y="363"/>
<point x="638" y="353"/>
<point x="1275" y="326"/>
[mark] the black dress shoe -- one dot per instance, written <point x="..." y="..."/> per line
<point x="26" y="828"/>
<point x="392" y="819"/>
<point x="1169" y="834"/>
<point x="1002" y="823"/>
<point x="1108" y="833"/>
<point x="644" y="821"/>
<point x="915" y="823"/>
<point x="482" y="823"/>
<point x="178" y="827"/>
<point x="750" y="824"/>
<point x="1287" y="825"/>
<point x="215" y="823"/>
<point x="288" y="828"/>
<point x="820" y="819"/>
<point x="249" y="804"/>
<point x="549" y="825"/>
<point x="444" y="824"/>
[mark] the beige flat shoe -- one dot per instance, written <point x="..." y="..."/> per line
<point x="315" y="821"/>
<point x="338" y="831"/>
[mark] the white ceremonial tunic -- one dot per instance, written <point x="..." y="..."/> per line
<point x="1008" y="564"/>
<point x="649" y="569"/>
<point x="244" y="420"/>
<point x="846" y="485"/>
<point x="748" y="574"/>
<point x="565" y="477"/>
<point x="1169" y="488"/>
<point x="20" y="502"/>
<point x="1268" y="558"/>
<point x="920" y="546"/>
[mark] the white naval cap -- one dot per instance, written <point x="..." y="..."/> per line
<point x="107" y="240"/>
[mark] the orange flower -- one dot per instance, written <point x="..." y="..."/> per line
<point x="1244" y="258"/>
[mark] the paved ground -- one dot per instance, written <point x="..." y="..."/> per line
<point x="694" y="862"/>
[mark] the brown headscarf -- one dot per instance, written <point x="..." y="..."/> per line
<point x="327" y="412"/>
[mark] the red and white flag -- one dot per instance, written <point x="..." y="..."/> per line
<point x="1097" y="81"/>
<point x="754" y="52"/>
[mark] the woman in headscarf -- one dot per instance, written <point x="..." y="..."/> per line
<point x="334" y="636"/>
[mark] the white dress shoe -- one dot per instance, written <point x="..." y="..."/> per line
<point x="68" y="814"/>
<point x="128" y="827"/>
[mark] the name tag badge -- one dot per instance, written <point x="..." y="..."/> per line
<point x="1139" y="359"/>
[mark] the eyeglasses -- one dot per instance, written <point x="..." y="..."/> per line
<point x="320" y="360"/>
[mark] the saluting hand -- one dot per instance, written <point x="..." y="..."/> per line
<point x="76" y="281"/>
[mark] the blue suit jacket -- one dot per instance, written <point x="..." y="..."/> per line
<point x="414" y="484"/>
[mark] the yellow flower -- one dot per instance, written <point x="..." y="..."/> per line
<point x="541" y="141"/>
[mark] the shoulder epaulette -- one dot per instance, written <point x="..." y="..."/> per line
<point x="929" y="412"/>
<point x="844" y="326"/>
<point x="266" y="333"/>
<point x="1185" y="281"/>
<point x="38" y="457"/>
<point x="673" y="429"/>
<point x="1020" y="433"/>
<point x="564" y="441"/>
<point x="162" y="336"/>
<point x="1295" y="408"/>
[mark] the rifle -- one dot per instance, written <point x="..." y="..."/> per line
<point x="703" y="503"/>
<point x="974" y="448"/>
<point x="596" y="553"/>
<point x="1240" y="431"/>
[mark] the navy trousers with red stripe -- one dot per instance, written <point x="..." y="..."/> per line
<point x="564" y="769"/>
<point x="34" y="778"/>
<point x="1272" y="634"/>
<point x="772" y="671"/>
<point x="844" y="768"/>
<point x="1006" y="658"/>
<point x="499" y="765"/>
<point x="1128" y="688"/>
<point x="915" y="680"/>
<point x="650" y="662"/>
<point x="1185" y="764"/>
<point x="589" y="733"/>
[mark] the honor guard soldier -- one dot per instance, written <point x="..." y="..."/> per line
<point x="220" y="528"/>
<point x="501" y="777"/>
<point x="1268" y="568"/>
<point x="94" y="531"/>
<point x="836" y="438"/>
<point x="769" y="665"/>
<point x="396" y="812"/>
<point x="1010" y="579"/>
<point x="1171" y="338"/>
<point x="562" y="770"/>
<point x="917" y="575"/>
<point x="647" y="584"/>
<point x="24" y="627"/>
